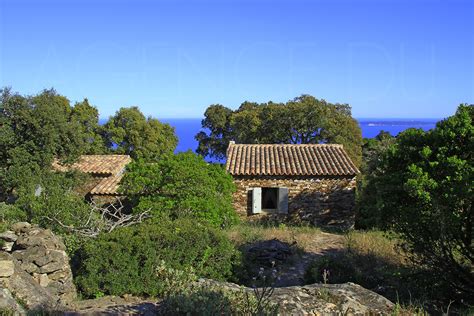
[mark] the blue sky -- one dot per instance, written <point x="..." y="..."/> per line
<point x="403" y="59"/>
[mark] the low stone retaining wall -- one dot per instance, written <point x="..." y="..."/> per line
<point x="35" y="268"/>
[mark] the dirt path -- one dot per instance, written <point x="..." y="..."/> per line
<point x="321" y="244"/>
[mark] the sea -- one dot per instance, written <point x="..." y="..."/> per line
<point x="187" y="128"/>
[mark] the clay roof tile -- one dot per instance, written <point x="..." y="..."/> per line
<point x="289" y="159"/>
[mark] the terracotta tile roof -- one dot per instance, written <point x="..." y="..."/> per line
<point x="289" y="160"/>
<point x="108" y="186"/>
<point x="106" y="165"/>
<point x="110" y="167"/>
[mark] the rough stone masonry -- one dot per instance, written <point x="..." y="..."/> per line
<point x="327" y="202"/>
<point x="34" y="267"/>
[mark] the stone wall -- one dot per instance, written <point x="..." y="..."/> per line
<point x="324" y="202"/>
<point x="34" y="266"/>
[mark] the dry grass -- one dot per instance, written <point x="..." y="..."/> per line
<point x="304" y="236"/>
<point x="376" y="244"/>
<point x="311" y="239"/>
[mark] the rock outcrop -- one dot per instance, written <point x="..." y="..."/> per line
<point x="321" y="299"/>
<point x="34" y="267"/>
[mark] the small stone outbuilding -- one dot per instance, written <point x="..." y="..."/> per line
<point x="312" y="183"/>
<point x="106" y="171"/>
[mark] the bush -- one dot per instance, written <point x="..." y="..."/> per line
<point x="215" y="300"/>
<point x="10" y="214"/>
<point x="51" y="199"/>
<point x="198" y="302"/>
<point x="126" y="260"/>
<point x="182" y="185"/>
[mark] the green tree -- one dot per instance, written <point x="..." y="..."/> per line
<point x="424" y="192"/>
<point x="217" y="121"/>
<point x="86" y="117"/>
<point x="35" y="130"/>
<point x="130" y="132"/>
<point x="181" y="185"/>
<point x="373" y="150"/>
<point x="50" y="200"/>
<point x="304" y="119"/>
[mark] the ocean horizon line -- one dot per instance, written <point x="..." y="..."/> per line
<point x="357" y="118"/>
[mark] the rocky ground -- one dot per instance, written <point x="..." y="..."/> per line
<point x="113" y="305"/>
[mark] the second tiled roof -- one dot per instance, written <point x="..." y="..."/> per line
<point x="108" y="167"/>
<point x="105" y="165"/>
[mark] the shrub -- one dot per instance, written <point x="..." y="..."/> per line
<point x="214" y="300"/>
<point x="50" y="199"/>
<point x="10" y="214"/>
<point x="373" y="149"/>
<point x="182" y="185"/>
<point x="199" y="301"/>
<point x="125" y="261"/>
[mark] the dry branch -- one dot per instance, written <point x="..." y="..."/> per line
<point x="103" y="219"/>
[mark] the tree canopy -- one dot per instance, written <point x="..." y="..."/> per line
<point x="130" y="132"/>
<point x="36" y="129"/>
<point x="86" y="117"/>
<point x="373" y="151"/>
<point x="304" y="119"/>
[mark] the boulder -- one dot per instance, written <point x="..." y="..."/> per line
<point x="7" y="246"/>
<point x="43" y="280"/>
<point x="6" y="268"/>
<point x="52" y="267"/>
<point x="39" y="237"/>
<point x="30" y="267"/>
<point x="344" y="299"/>
<point x="6" y="265"/>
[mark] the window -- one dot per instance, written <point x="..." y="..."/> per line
<point x="269" y="200"/>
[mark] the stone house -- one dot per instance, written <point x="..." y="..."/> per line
<point x="313" y="183"/>
<point x="105" y="172"/>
